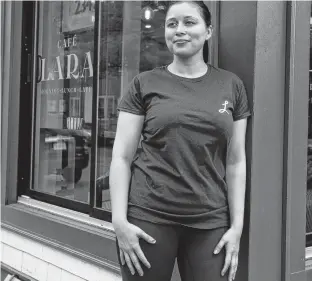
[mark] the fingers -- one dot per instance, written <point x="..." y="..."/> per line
<point x="227" y="263"/>
<point x="146" y="237"/>
<point x="130" y="251"/>
<point x="234" y="263"/>
<point x="122" y="257"/>
<point x="136" y="263"/>
<point x="219" y="247"/>
<point x="132" y="259"/>
<point x="129" y="263"/>
<point x="142" y="257"/>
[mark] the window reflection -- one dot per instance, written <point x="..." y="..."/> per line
<point x="132" y="41"/>
<point x="64" y="98"/>
<point x="153" y="48"/>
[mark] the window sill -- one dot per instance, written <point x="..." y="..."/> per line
<point x="87" y="238"/>
<point x="78" y="217"/>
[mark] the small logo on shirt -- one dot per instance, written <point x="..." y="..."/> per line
<point x="222" y="110"/>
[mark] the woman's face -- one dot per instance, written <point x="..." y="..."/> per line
<point x="185" y="30"/>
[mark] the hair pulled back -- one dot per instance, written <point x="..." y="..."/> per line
<point x="203" y="9"/>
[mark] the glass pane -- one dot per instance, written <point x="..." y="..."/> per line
<point x="309" y="171"/>
<point x="132" y="41"/>
<point x="64" y="99"/>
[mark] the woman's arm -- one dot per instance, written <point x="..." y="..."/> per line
<point x="129" y="128"/>
<point x="236" y="182"/>
<point x="236" y="175"/>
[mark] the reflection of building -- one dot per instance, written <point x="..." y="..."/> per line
<point x="50" y="228"/>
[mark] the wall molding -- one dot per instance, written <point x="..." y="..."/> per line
<point x="105" y="239"/>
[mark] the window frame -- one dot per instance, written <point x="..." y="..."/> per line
<point x="27" y="142"/>
<point x="295" y="240"/>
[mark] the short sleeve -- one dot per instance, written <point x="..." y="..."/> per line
<point x="132" y="101"/>
<point x="241" y="108"/>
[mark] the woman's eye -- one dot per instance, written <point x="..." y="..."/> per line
<point x="171" y="24"/>
<point x="189" y="23"/>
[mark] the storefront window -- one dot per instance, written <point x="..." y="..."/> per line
<point x="131" y="40"/>
<point x="64" y="98"/>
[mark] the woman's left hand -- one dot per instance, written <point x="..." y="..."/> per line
<point x="230" y="240"/>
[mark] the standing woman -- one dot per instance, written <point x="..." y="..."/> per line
<point x="181" y="196"/>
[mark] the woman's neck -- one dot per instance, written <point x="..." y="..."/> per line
<point x="188" y="68"/>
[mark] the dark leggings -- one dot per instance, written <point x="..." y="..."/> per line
<point x="193" y="249"/>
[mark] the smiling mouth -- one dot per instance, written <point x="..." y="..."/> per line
<point x="180" y="41"/>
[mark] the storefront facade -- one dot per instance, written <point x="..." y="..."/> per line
<point x="65" y="66"/>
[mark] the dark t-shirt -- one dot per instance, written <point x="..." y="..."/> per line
<point x="178" y="177"/>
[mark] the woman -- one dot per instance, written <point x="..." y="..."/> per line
<point x="183" y="193"/>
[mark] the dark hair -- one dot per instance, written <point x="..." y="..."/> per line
<point x="203" y="9"/>
<point x="204" y="12"/>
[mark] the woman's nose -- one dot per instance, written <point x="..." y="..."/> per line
<point x="180" y="29"/>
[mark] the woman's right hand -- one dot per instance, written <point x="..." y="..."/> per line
<point x="129" y="248"/>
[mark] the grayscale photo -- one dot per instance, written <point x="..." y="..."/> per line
<point x="156" y="140"/>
